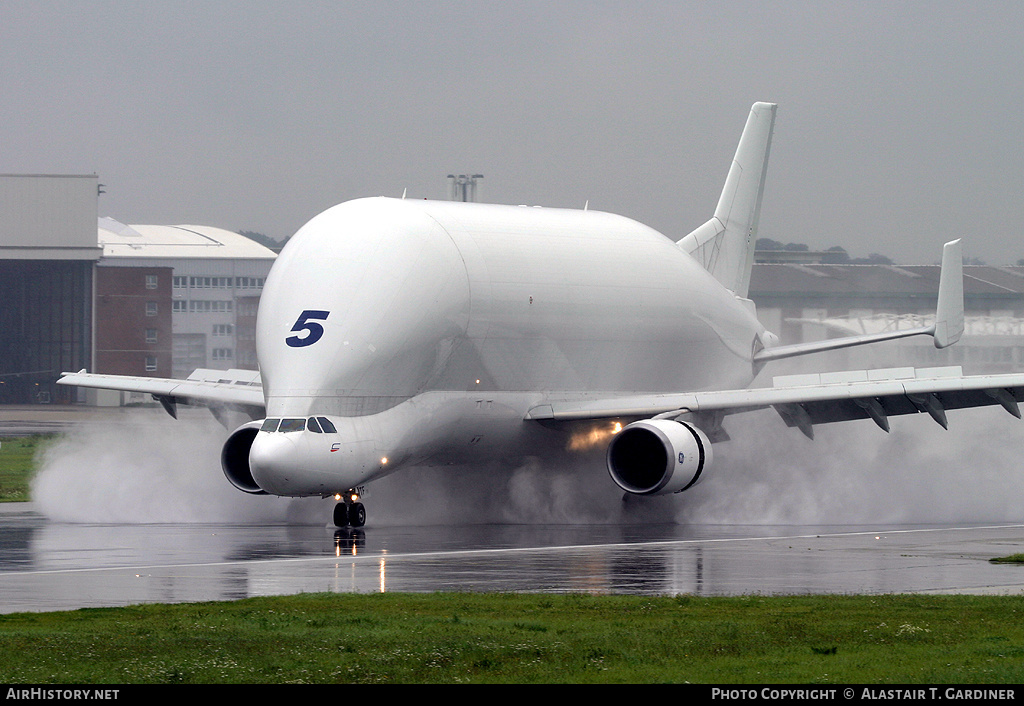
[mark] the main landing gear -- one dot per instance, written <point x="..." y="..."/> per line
<point x="349" y="512"/>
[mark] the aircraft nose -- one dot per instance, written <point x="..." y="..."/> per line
<point x="299" y="463"/>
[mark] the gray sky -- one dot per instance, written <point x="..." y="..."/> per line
<point x="899" y="124"/>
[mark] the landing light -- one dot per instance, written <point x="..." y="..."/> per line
<point x="384" y="461"/>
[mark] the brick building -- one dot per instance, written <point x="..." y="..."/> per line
<point x="204" y="284"/>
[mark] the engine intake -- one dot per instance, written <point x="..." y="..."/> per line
<point x="658" y="456"/>
<point x="234" y="458"/>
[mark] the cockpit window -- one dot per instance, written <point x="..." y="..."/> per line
<point x="317" y="425"/>
<point x="292" y="425"/>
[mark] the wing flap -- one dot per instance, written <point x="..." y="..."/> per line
<point x="239" y="389"/>
<point x="807" y="400"/>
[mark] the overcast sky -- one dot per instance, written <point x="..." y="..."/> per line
<point x="900" y="124"/>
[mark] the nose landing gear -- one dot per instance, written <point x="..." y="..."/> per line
<point x="349" y="512"/>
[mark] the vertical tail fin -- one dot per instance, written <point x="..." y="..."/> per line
<point x="725" y="244"/>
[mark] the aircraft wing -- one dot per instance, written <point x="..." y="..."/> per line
<point x="806" y="400"/>
<point x="239" y="390"/>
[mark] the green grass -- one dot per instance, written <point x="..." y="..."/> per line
<point x="17" y="464"/>
<point x="525" y="638"/>
<point x="513" y="638"/>
<point x="1011" y="559"/>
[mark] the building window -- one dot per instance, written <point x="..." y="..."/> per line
<point x="151" y="281"/>
<point x="151" y="308"/>
<point x="223" y="354"/>
<point x="249" y="282"/>
<point x="247" y="307"/>
<point x="201" y="305"/>
<point x="223" y="329"/>
<point x="150" y="363"/>
<point x="151" y="335"/>
<point x="210" y="282"/>
<point x="180" y="282"/>
<point x="179" y="305"/>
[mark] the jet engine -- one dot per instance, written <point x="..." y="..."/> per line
<point x="234" y="458"/>
<point x="658" y="456"/>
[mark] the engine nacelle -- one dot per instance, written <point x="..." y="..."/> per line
<point x="658" y="456"/>
<point x="234" y="458"/>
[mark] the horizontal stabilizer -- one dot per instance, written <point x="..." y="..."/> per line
<point x="948" y="326"/>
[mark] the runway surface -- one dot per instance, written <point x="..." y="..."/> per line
<point x="48" y="566"/>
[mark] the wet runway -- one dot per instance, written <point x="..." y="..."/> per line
<point x="52" y="566"/>
<point x="49" y="565"/>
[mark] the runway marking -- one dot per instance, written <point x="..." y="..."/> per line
<point x="377" y="556"/>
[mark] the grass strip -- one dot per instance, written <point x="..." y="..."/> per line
<point x="1011" y="559"/>
<point x="18" y="464"/>
<point x="525" y="638"/>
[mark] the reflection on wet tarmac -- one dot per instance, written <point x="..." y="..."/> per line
<point x="49" y="566"/>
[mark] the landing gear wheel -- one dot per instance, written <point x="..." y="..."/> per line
<point x="349" y="512"/>
<point x="356" y="515"/>
<point x="341" y="515"/>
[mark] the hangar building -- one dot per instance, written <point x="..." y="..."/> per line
<point x="48" y="252"/>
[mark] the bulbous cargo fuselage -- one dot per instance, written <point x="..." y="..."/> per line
<point x="404" y="321"/>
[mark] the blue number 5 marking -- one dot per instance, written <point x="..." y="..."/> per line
<point x="306" y="322"/>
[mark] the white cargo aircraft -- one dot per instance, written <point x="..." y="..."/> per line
<point x="396" y="333"/>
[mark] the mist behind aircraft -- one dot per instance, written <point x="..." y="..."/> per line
<point x="165" y="471"/>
